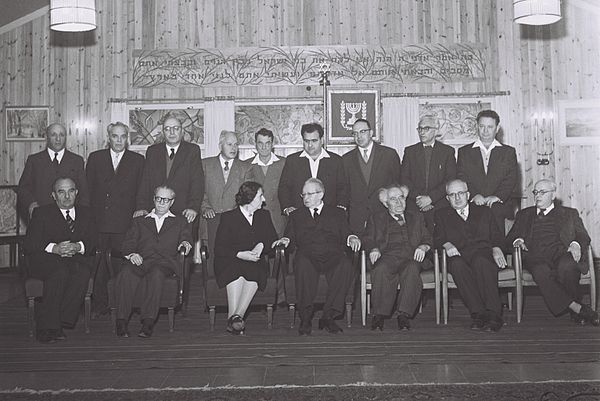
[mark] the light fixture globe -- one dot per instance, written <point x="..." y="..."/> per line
<point x="536" y="12"/>
<point x="72" y="15"/>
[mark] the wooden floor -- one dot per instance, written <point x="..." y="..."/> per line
<point x="540" y="349"/>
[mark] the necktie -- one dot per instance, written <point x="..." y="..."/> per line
<point x="226" y="171"/>
<point x="55" y="160"/>
<point x="366" y="155"/>
<point x="463" y="213"/>
<point x="116" y="161"/>
<point x="427" y="150"/>
<point x="541" y="213"/>
<point x="172" y="154"/>
<point x="315" y="213"/>
<point x="400" y="219"/>
<point x="70" y="221"/>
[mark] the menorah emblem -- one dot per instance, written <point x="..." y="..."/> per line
<point x="353" y="109"/>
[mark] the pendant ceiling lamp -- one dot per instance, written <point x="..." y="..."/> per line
<point x="536" y="12"/>
<point x="72" y="15"/>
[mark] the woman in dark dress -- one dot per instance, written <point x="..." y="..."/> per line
<point x="243" y="235"/>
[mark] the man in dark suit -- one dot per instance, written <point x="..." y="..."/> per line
<point x="113" y="176"/>
<point x="320" y="234"/>
<point x="60" y="242"/>
<point x="426" y="168"/>
<point x="369" y="167"/>
<point x="490" y="169"/>
<point x="224" y="174"/>
<point x="266" y="170"/>
<point x="552" y="238"/>
<point x="315" y="162"/>
<point x="473" y="243"/>
<point x="177" y="164"/>
<point x="151" y="246"/>
<point x="397" y="241"/>
<point x="43" y="168"/>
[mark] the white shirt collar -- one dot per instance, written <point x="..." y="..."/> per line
<point x="223" y="160"/>
<point x="113" y="153"/>
<point x="247" y="215"/>
<point x="272" y="160"/>
<point x="479" y="144"/>
<point x="369" y="149"/>
<point x="430" y="146"/>
<point x="323" y="155"/>
<point x="60" y="154"/>
<point x="319" y="209"/>
<point x="466" y="209"/>
<point x="71" y="212"/>
<point x="169" y="147"/>
<point x="155" y="216"/>
<point x="547" y="210"/>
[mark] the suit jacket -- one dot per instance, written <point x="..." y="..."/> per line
<point x="501" y="178"/>
<point x="323" y="241"/>
<point x="40" y="173"/>
<point x="442" y="168"/>
<point x="113" y="193"/>
<point x="186" y="177"/>
<point x="220" y="195"/>
<point x="364" y="197"/>
<point x="297" y="171"/>
<point x="377" y="232"/>
<point x="569" y="227"/>
<point x="49" y="225"/>
<point x="270" y="184"/>
<point x="157" y="247"/>
<point x="479" y="233"/>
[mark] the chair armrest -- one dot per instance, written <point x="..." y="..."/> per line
<point x="278" y="260"/>
<point x="204" y="261"/>
<point x="436" y="267"/>
<point x="182" y="274"/>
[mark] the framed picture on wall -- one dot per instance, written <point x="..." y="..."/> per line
<point x="283" y="118"/>
<point x="579" y="122"/>
<point x="145" y="123"/>
<point x="26" y="123"/>
<point x="344" y="107"/>
<point x="457" y="117"/>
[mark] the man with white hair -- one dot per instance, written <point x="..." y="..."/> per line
<point x="397" y="241"/>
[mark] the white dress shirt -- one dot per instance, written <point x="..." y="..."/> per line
<point x="314" y="164"/>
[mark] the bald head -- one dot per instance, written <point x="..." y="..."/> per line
<point x="56" y="137"/>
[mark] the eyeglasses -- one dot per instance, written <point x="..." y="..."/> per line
<point x="160" y="199"/>
<point x="362" y="131"/>
<point x="174" y="129"/>
<point x="396" y="198"/>
<point x="307" y="194"/>
<point x="459" y="194"/>
<point x="425" y="129"/>
<point x="536" y="192"/>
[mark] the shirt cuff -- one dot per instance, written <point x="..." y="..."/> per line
<point x="49" y="247"/>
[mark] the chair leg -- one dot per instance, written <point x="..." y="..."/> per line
<point x="171" y="319"/>
<point x="421" y="306"/>
<point x="368" y="303"/>
<point x="113" y="319"/>
<point x="87" y="313"/>
<point x="31" y="315"/>
<point x="519" y="303"/>
<point x="510" y="300"/>
<point x="269" y="316"/>
<point x="445" y="303"/>
<point x="348" y="314"/>
<point x="212" y="315"/>
<point x="292" y="315"/>
<point x="437" y="304"/>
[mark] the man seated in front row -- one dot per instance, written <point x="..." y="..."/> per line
<point x="553" y="240"/>
<point x="473" y="242"/>
<point x="320" y="235"/>
<point x="398" y="241"/>
<point x="151" y="246"/>
<point x="60" y="242"/>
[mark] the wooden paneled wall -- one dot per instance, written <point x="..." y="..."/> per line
<point x="77" y="74"/>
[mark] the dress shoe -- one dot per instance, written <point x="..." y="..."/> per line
<point x="122" y="328"/>
<point x="67" y="325"/>
<point x="146" y="331"/>
<point x="403" y="322"/>
<point x="45" y="337"/>
<point x="477" y="321"/>
<point x="589" y="315"/>
<point x="494" y="322"/>
<point x="377" y="322"/>
<point x="237" y="323"/>
<point x="305" y="328"/>
<point x="329" y="325"/>
<point x="59" y="335"/>
<point x="577" y="318"/>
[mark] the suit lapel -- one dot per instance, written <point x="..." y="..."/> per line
<point x="375" y="155"/>
<point x="178" y="159"/>
<point x="234" y="171"/>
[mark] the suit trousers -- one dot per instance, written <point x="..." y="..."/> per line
<point x="148" y="279"/>
<point x="388" y="272"/>
<point x="558" y="282"/>
<point x="65" y="285"/>
<point x="476" y="279"/>
<point x="211" y="229"/>
<point x="338" y="276"/>
<point x="112" y="242"/>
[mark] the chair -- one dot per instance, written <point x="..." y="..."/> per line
<point x="34" y="288"/>
<point x="213" y="295"/>
<point x="525" y="279"/>
<point x="173" y="291"/>
<point x="430" y="279"/>
<point x="290" y="290"/>
<point x="506" y="279"/>
<point x="10" y="224"/>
